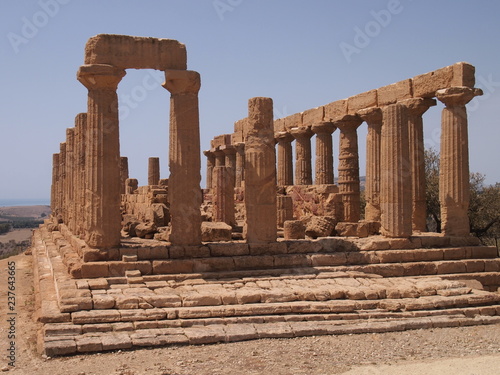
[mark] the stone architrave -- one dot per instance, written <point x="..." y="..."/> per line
<point x="416" y="108"/>
<point x="260" y="173"/>
<point x="184" y="157"/>
<point x="395" y="179"/>
<point x="62" y="182"/>
<point x="285" y="158"/>
<point x="303" y="169"/>
<point x="223" y="196"/>
<point x="324" y="152"/>
<point x="81" y="147"/>
<point x="373" y="118"/>
<point x="349" y="167"/>
<point x="70" y="179"/>
<point x="240" y="164"/>
<point x="230" y="161"/>
<point x="123" y="172"/>
<point x="454" y="189"/>
<point x="153" y="170"/>
<point x="54" y="189"/>
<point x="102" y="200"/>
<point x="210" y="167"/>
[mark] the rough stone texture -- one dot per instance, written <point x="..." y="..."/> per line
<point x="364" y="100"/>
<point x="324" y="152"/>
<point x="131" y="185"/>
<point x="454" y="160"/>
<point x="240" y="165"/>
<point x="260" y="173"/>
<point x="212" y="232"/>
<point x="210" y="167"/>
<point x="184" y="157"/>
<point x="373" y="118"/>
<point x="70" y="179"/>
<point x="395" y="190"/>
<point x="81" y="147"/>
<point x="285" y="158"/>
<point x="153" y="171"/>
<point x="349" y="166"/>
<point x="398" y="91"/>
<point x="303" y="169"/>
<point x="123" y="173"/>
<point x="294" y="230"/>
<point x="223" y="195"/>
<point x="317" y="200"/>
<point x="320" y="226"/>
<point x="230" y="161"/>
<point x="102" y="201"/>
<point x="459" y="74"/>
<point x="135" y="52"/>
<point x="285" y="209"/>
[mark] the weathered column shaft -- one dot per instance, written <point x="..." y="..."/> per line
<point x="220" y="158"/>
<point x="324" y="153"/>
<point x="210" y="167"/>
<point x="349" y="167"/>
<point x="54" y="189"/>
<point x="69" y="191"/>
<point x="240" y="165"/>
<point x="123" y="173"/>
<point x="373" y="118"/>
<point x="184" y="157"/>
<point x="230" y="161"/>
<point x="223" y="196"/>
<point x="81" y="147"/>
<point x="285" y="209"/>
<point x="131" y="185"/>
<point x="285" y="159"/>
<point x="395" y="189"/>
<point x="260" y="173"/>
<point x="153" y="171"/>
<point x="102" y="203"/>
<point x="303" y="169"/>
<point x="62" y="182"/>
<point x="454" y="189"/>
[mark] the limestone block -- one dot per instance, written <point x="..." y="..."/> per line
<point x="395" y="92"/>
<point x="144" y="229"/>
<point x="294" y="230"/>
<point x="293" y="121"/>
<point x="364" y="100"/>
<point x="335" y="109"/>
<point x="459" y="74"/>
<point x="320" y="226"/>
<point x="279" y="125"/>
<point x="313" y="115"/>
<point x="212" y="232"/>
<point x="161" y="215"/>
<point x="228" y="249"/>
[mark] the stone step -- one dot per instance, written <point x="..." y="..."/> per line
<point x="64" y="339"/>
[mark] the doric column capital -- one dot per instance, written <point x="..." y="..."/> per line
<point x="348" y="123"/>
<point x="217" y="151"/>
<point x="372" y="115"/>
<point x="182" y="81"/>
<point x="302" y="132"/>
<point x="418" y="106"/>
<point x="228" y="149"/>
<point x="283" y="137"/>
<point x="100" y="76"/>
<point x="324" y="127"/>
<point x="457" y="96"/>
<point x="240" y="147"/>
<point x="209" y="154"/>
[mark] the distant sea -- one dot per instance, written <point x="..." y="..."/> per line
<point x="24" y="202"/>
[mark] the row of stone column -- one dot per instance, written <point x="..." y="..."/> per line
<point x="230" y="156"/>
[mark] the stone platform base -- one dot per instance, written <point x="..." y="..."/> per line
<point x="313" y="288"/>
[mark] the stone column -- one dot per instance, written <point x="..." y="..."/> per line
<point x="210" y="167"/>
<point x="416" y="108"/>
<point x="240" y="164"/>
<point x="81" y="147"/>
<point x="395" y="189"/>
<point x="373" y="118"/>
<point x="303" y="170"/>
<point x="220" y="158"/>
<point x="184" y="157"/>
<point x="223" y="197"/>
<point x="102" y="200"/>
<point x="54" y="189"/>
<point x="62" y="182"/>
<point x="454" y="189"/>
<point x="260" y="173"/>
<point x="153" y="171"/>
<point x="324" y="152"/>
<point x="285" y="158"/>
<point x="230" y="161"/>
<point x="285" y="209"/>
<point x="70" y="186"/>
<point x="123" y="172"/>
<point x="349" y="167"/>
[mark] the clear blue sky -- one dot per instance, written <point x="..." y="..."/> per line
<point x="290" y="50"/>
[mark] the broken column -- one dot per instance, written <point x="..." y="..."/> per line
<point x="373" y="118"/>
<point x="210" y="167"/>
<point x="454" y="190"/>
<point x="324" y="152"/>
<point x="285" y="209"/>
<point x="184" y="157"/>
<point x="102" y="201"/>
<point x="303" y="170"/>
<point x="123" y="172"/>
<point x="285" y="158"/>
<point x="260" y="173"/>
<point x="223" y="196"/>
<point x="395" y="179"/>
<point x="349" y="167"/>
<point x="153" y="171"/>
<point x="416" y="108"/>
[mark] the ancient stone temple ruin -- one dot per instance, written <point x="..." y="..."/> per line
<point x="271" y="247"/>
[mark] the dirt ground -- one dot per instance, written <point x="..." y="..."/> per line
<point x="457" y="351"/>
<point x="17" y="235"/>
